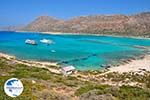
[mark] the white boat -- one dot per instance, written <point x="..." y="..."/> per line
<point x="46" y="41"/>
<point x="32" y="42"/>
<point x="53" y="51"/>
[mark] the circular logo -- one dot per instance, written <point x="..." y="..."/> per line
<point x="13" y="87"/>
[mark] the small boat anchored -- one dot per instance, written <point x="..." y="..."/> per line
<point x="53" y="51"/>
<point x="32" y="42"/>
<point x="46" y="41"/>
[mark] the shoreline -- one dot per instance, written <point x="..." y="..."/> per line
<point x="52" y="67"/>
<point x="61" y="33"/>
<point x="135" y="65"/>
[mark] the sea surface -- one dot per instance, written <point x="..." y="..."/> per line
<point x="85" y="52"/>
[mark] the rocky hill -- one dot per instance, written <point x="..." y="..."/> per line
<point x="135" y="25"/>
<point x="12" y="28"/>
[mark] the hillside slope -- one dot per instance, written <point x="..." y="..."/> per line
<point x="135" y="25"/>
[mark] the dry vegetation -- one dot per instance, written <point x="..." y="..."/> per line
<point x="40" y="84"/>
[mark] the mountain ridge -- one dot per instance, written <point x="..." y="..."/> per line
<point x="119" y="24"/>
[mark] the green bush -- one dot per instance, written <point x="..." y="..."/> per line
<point x="87" y="88"/>
<point x="133" y="93"/>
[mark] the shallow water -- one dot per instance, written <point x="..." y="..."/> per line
<point x="85" y="52"/>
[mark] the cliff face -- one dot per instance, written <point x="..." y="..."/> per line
<point x="138" y="24"/>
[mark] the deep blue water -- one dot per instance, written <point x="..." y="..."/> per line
<point x="85" y="52"/>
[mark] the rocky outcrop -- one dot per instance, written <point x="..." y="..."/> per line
<point x="135" y="25"/>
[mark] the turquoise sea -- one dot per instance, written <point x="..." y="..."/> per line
<point x="85" y="52"/>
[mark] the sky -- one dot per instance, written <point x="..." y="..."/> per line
<point x="18" y="12"/>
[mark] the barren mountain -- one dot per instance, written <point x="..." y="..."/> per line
<point x="138" y="24"/>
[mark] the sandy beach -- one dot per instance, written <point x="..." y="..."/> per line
<point x="38" y="64"/>
<point x="137" y="65"/>
<point x="61" y="33"/>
